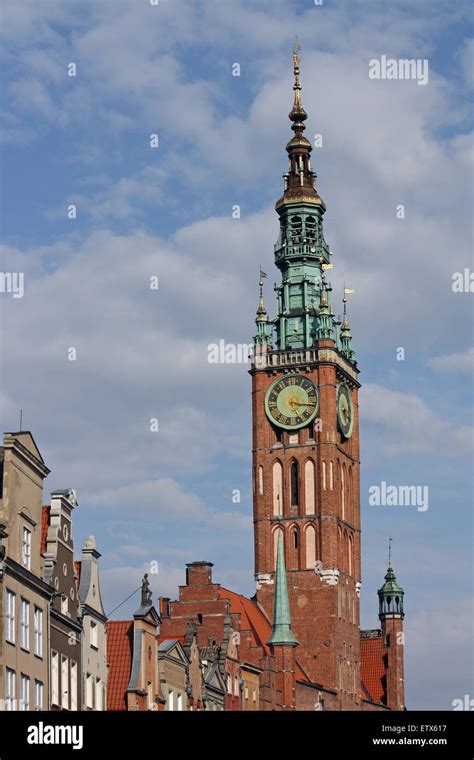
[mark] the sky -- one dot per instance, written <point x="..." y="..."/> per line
<point x="141" y="354"/>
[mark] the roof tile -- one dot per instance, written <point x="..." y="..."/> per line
<point x="119" y="657"/>
<point x="372" y="668"/>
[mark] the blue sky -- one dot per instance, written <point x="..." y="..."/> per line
<point x="167" y="496"/>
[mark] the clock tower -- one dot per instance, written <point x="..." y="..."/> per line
<point x="306" y="439"/>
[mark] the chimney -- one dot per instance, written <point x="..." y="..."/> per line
<point x="199" y="573"/>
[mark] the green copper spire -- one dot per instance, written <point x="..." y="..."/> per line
<point x="391" y="594"/>
<point x="264" y="329"/>
<point x="346" y="335"/>
<point x="304" y="312"/>
<point x="281" y="630"/>
<point x="300" y="251"/>
<point x="325" y="328"/>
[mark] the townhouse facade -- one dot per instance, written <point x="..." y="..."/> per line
<point x="94" y="628"/>
<point x="44" y="624"/>
<point x="24" y="595"/>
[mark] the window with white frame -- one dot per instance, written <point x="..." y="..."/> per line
<point x="64" y="604"/>
<point x="254" y="695"/>
<point x="10" y="616"/>
<point x="179" y="702"/>
<point x="170" y="700"/>
<point x="25" y="624"/>
<point x="64" y="682"/>
<point x="10" y="690"/>
<point x="38" y="695"/>
<point x="73" y="685"/>
<point x="99" y="692"/>
<point x="38" y="632"/>
<point x="26" y="548"/>
<point x="89" y="694"/>
<point x="94" y="635"/>
<point x="236" y="686"/>
<point x="25" y="693"/>
<point x="54" y="678"/>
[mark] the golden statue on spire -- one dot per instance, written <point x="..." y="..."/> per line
<point x="297" y="107"/>
<point x="296" y="58"/>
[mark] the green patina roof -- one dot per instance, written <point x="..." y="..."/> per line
<point x="390" y="586"/>
<point x="281" y="630"/>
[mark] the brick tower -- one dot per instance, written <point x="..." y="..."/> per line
<point x="391" y="616"/>
<point x="306" y="438"/>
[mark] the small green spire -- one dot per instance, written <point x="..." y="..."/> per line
<point x="346" y="335"/>
<point x="264" y="329"/>
<point x="324" y="330"/>
<point x="281" y="630"/>
<point x="391" y="594"/>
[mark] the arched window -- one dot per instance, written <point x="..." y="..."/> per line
<point x="309" y="502"/>
<point x="339" y="549"/>
<point x="276" y="534"/>
<point x="350" y="497"/>
<point x="277" y="488"/>
<point x="343" y="492"/>
<point x="324" y="476"/>
<point x="331" y="477"/>
<point x="260" y="480"/>
<point x="310" y="227"/>
<point x="310" y="536"/>
<point x="345" y="550"/>
<point x="296" y="227"/>
<point x="294" y="490"/>
<point x="350" y="556"/>
<point x="293" y="548"/>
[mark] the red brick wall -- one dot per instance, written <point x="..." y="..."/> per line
<point x="392" y="629"/>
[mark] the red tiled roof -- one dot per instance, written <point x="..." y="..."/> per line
<point x="44" y="526"/>
<point x="252" y="619"/>
<point x="372" y="667"/>
<point x="119" y="657"/>
<point x="77" y="569"/>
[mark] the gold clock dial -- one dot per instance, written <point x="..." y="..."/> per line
<point x="292" y="401"/>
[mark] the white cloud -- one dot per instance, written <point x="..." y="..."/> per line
<point x="460" y="362"/>
<point x="402" y="423"/>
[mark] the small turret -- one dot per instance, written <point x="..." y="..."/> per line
<point x="263" y="338"/>
<point x="390" y="595"/>
<point x="391" y="616"/>
<point x="346" y="335"/>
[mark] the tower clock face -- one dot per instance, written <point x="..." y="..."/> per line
<point x="345" y="412"/>
<point x="291" y="402"/>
